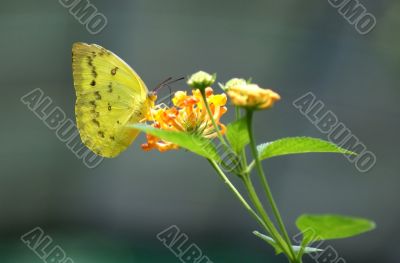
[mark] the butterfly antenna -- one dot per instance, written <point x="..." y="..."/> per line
<point x="175" y="80"/>
<point x="159" y="85"/>
<point x="167" y="82"/>
<point x="170" y="95"/>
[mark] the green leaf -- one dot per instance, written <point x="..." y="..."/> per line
<point x="296" y="145"/>
<point x="278" y="250"/>
<point x="325" y="227"/>
<point x="194" y="143"/>
<point x="238" y="135"/>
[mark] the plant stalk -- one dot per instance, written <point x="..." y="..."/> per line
<point x="237" y="194"/>
<point x="273" y="232"/>
<point x="267" y="189"/>
<point x="210" y="115"/>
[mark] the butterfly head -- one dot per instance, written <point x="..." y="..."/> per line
<point x="152" y="96"/>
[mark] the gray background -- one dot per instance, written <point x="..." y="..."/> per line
<point x="112" y="213"/>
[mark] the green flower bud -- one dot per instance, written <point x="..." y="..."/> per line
<point x="201" y="80"/>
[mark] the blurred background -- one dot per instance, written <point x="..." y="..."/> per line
<point x="113" y="213"/>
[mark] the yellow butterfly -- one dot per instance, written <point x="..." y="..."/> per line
<point x="110" y="96"/>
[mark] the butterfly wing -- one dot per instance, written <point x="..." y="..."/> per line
<point x="110" y="95"/>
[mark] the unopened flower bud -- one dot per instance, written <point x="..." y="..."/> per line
<point x="201" y="80"/>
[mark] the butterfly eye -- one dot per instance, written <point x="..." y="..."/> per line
<point x="152" y="95"/>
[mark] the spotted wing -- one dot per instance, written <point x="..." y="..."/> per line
<point x="110" y="95"/>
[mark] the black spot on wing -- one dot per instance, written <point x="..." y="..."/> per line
<point x="138" y="113"/>
<point x="97" y="95"/>
<point x="94" y="72"/>
<point x="96" y="122"/>
<point x="90" y="63"/>
<point x="114" y="71"/>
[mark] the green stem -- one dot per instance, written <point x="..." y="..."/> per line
<point x="210" y="115"/>
<point x="224" y="178"/>
<point x="266" y="223"/>
<point x="237" y="113"/>
<point x="242" y="153"/>
<point x="272" y="230"/>
<point x="251" y="166"/>
<point x="249" y="117"/>
<point x="302" y="249"/>
<point x="254" y="197"/>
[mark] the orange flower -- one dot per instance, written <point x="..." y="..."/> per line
<point x="187" y="115"/>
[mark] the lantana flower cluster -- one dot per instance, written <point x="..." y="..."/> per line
<point x="188" y="112"/>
